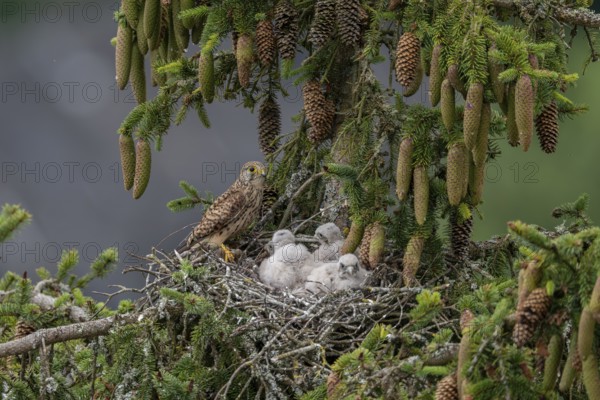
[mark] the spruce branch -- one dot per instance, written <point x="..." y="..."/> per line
<point x="573" y="16"/>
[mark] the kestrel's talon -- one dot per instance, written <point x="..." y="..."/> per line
<point x="228" y="255"/>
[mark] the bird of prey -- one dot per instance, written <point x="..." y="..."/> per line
<point x="281" y="269"/>
<point x="343" y="274"/>
<point x="331" y="242"/>
<point x="233" y="211"/>
<point x="350" y="274"/>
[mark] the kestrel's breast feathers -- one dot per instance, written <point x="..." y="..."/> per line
<point x="226" y="209"/>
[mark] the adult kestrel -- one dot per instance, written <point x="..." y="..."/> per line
<point x="234" y="210"/>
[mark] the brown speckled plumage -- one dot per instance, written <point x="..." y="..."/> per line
<point x="234" y="210"/>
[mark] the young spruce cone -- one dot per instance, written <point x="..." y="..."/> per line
<point x="447" y="104"/>
<point x="365" y="245"/>
<point x="460" y="238"/>
<point x="127" y="147"/>
<point x="323" y="24"/>
<point x="376" y="245"/>
<point x="269" y="125"/>
<point x="408" y="56"/>
<point x="123" y="54"/>
<point x="319" y="111"/>
<point x="206" y="76"/>
<point x="286" y="29"/>
<point x="421" y="193"/>
<point x="524" y="109"/>
<point x="143" y="163"/>
<point x="547" y="127"/>
<point x="412" y="259"/>
<point x="456" y="173"/>
<point x="435" y="76"/>
<point x="244" y="55"/>
<point x="404" y="168"/>
<point x="530" y="315"/>
<point x="265" y="42"/>
<point x="472" y="117"/>
<point x="130" y="9"/>
<point x="137" y="75"/>
<point x="446" y="388"/>
<point x="348" y="16"/>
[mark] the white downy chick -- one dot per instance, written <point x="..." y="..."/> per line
<point x="281" y="269"/>
<point x="320" y="280"/>
<point x="350" y="274"/>
<point x="331" y="241"/>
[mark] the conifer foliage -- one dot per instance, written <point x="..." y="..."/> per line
<point x="356" y="138"/>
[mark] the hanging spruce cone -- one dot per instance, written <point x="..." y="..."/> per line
<point x="472" y="117"/>
<point x="137" y="75"/>
<point x="460" y="238"/>
<point x="266" y="43"/>
<point x="547" y="127"/>
<point x="446" y="388"/>
<point x="412" y="259"/>
<point x="524" y="108"/>
<point x="512" y="132"/>
<point x="404" y="168"/>
<point x="142" y="39"/>
<point x="152" y="11"/>
<point x="455" y="172"/>
<point x="130" y="9"/>
<point x="333" y="382"/>
<point x="352" y="241"/>
<point x="453" y="76"/>
<point x="447" y="104"/>
<point x="529" y="316"/>
<point x="377" y="244"/>
<point x="123" y="54"/>
<point x="408" y="56"/>
<point x="143" y="163"/>
<point x="181" y="33"/>
<point x="416" y="83"/>
<point x="323" y="24"/>
<point x="269" y="125"/>
<point x="127" y="149"/>
<point x="435" y="76"/>
<point x="481" y="144"/>
<point x="319" y="111"/>
<point x="476" y="183"/>
<point x="421" y="193"/>
<point x="286" y="29"/>
<point x="23" y="329"/>
<point x="206" y="76"/>
<point x="365" y="245"/>
<point x="244" y="55"/>
<point x="348" y="16"/>
<point x="270" y="196"/>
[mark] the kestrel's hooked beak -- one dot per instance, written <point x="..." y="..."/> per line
<point x="262" y="172"/>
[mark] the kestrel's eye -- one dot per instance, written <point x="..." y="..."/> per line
<point x="251" y="169"/>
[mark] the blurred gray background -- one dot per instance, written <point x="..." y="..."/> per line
<point x="59" y="156"/>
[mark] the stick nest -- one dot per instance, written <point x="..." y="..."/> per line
<point x="289" y="340"/>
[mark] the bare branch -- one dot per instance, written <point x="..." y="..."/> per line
<point x="82" y="330"/>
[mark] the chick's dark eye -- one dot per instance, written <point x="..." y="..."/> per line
<point x="252" y="169"/>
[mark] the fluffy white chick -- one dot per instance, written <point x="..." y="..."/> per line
<point x="331" y="241"/>
<point x="320" y="280"/>
<point x="281" y="269"/>
<point x="350" y="274"/>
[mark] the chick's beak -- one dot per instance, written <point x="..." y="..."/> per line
<point x="262" y="172"/>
